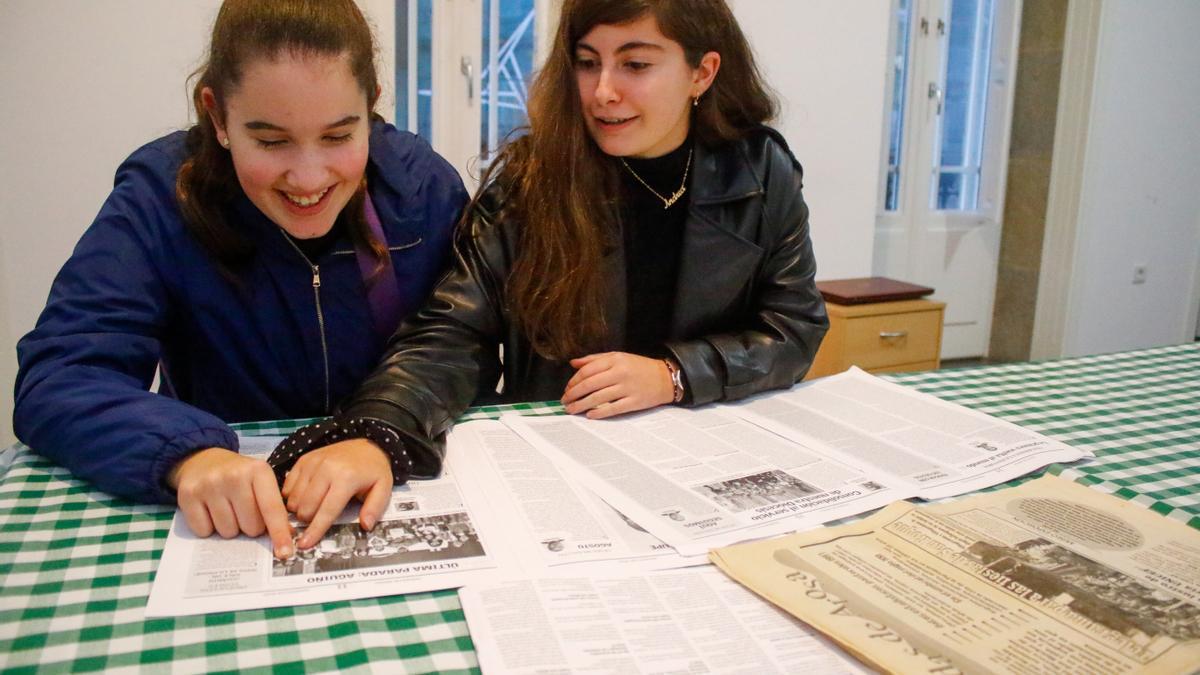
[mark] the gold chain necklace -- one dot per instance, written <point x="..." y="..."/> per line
<point x="667" y="201"/>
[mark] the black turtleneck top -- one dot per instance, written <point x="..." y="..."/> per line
<point x="653" y="238"/>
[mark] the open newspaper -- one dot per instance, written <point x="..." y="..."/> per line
<point x="700" y="479"/>
<point x="786" y="461"/>
<point x="500" y="509"/>
<point x="686" y="621"/>
<point x="939" y="448"/>
<point x="1048" y="577"/>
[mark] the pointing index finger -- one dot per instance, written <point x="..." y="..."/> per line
<point x="274" y="515"/>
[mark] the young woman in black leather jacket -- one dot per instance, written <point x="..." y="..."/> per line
<point x="646" y="243"/>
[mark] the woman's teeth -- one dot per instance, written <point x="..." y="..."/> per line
<point x="305" y="200"/>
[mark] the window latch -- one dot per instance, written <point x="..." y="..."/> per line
<point x="935" y="92"/>
<point x="468" y="71"/>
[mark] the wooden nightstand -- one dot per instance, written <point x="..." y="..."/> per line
<point x="881" y="337"/>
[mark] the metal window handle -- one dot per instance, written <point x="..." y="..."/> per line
<point x="935" y="92"/>
<point x="468" y="70"/>
<point x="892" y="334"/>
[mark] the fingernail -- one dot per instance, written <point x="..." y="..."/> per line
<point x="368" y="523"/>
<point x="285" y="552"/>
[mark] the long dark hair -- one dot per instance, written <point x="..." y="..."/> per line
<point x="253" y="29"/>
<point x="562" y="186"/>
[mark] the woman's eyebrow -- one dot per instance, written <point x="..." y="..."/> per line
<point x="628" y="46"/>
<point x="259" y="125"/>
<point x="347" y="120"/>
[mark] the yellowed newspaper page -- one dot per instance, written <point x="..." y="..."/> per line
<point x="1048" y="577"/>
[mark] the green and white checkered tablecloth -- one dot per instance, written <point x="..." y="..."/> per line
<point x="1138" y="411"/>
<point x="76" y="565"/>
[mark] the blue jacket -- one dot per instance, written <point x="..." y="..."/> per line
<point x="139" y="290"/>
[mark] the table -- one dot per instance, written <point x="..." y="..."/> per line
<point x="77" y="565"/>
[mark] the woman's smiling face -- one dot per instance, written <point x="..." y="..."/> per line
<point x="297" y="128"/>
<point x="636" y="87"/>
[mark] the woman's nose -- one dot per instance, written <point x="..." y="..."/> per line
<point x="606" y="90"/>
<point x="309" y="173"/>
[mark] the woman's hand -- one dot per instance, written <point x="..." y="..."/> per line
<point x="220" y="490"/>
<point x="323" y="481"/>
<point x="614" y="383"/>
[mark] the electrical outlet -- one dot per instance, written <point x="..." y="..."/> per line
<point x="1139" y="274"/>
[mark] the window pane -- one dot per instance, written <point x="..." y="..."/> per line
<point x="899" y="91"/>
<point x="402" y="64"/>
<point x="414" y="23"/>
<point x="424" y="126"/>
<point x="963" y="117"/>
<point x="508" y="63"/>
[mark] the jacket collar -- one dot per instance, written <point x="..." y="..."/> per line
<point x="722" y="174"/>
<point x="397" y="161"/>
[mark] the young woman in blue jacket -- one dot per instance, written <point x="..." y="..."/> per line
<point x="259" y="261"/>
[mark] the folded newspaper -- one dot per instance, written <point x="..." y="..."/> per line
<point x="1048" y="577"/>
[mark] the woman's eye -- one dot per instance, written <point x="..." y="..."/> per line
<point x="636" y="65"/>
<point x="269" y="144"/>
<point x="339" y="139"/>
<point x="585" y="64"/>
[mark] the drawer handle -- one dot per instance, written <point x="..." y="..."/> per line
<point x="892" y="334"/>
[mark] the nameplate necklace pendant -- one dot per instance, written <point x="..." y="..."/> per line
<point x="667" y="201"/>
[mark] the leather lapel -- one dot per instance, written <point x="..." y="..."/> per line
<point x="717" y="261"/>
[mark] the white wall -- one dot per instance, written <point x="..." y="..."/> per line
<point x="1139" y="201"/>
<point x="84" y="84"/>
<point x="827" y="60"/>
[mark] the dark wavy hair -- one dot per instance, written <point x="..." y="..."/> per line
<point x="562" y="187"/>
<point x="245" y="30"/>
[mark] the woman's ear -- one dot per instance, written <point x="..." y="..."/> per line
<point x="705" y="73"/>
<point x="209" y="99"/>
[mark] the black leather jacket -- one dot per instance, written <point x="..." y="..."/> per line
<point x="747" y="316"/>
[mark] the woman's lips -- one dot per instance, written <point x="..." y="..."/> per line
<point x="613" y="124"/>
<point x="306" y="204"/>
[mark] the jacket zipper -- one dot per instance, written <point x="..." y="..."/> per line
<point x="316" y="286"/>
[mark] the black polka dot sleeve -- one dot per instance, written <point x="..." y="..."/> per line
<point x="334" y="430"/>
